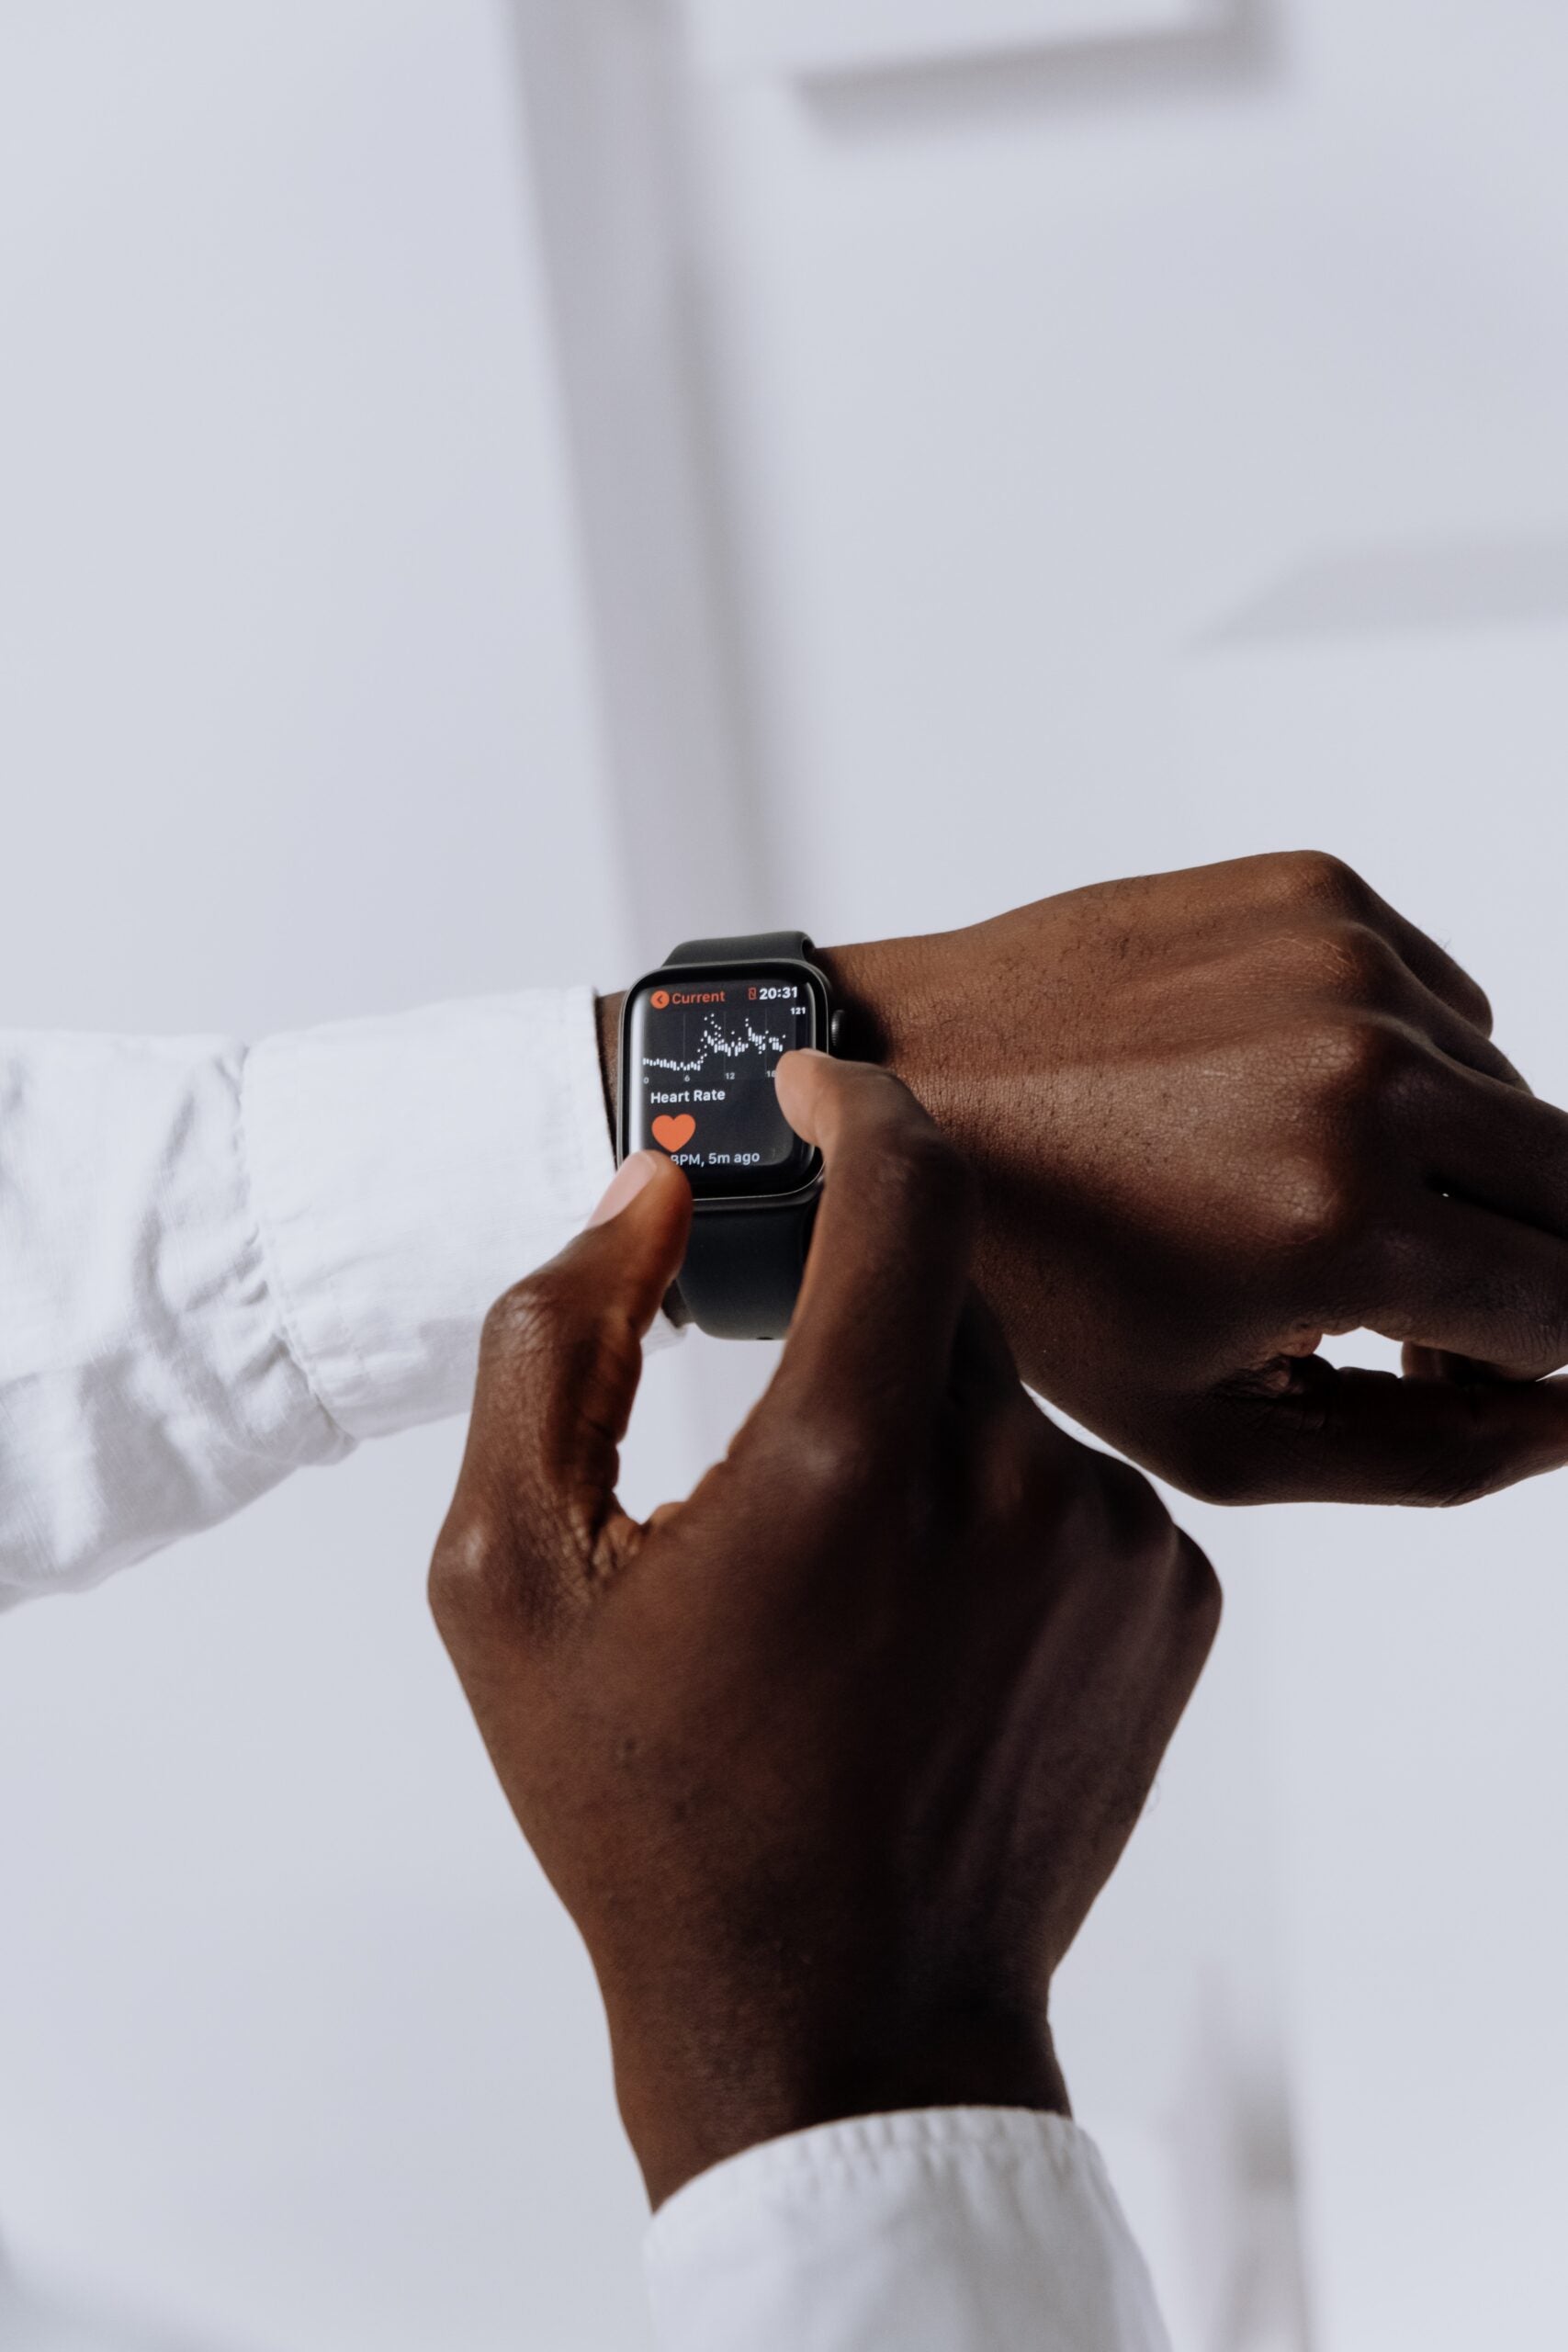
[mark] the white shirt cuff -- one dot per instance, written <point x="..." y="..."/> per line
<point x="405" y="1172"/>
<point x="946" y="2231"/>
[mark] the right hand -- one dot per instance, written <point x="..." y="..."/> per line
<point x="829" y="1761"/>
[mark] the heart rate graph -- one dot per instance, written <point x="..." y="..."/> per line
<point x="716" y="1043"/>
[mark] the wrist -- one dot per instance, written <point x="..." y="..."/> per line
<point x="865" y="992"/>
<point x="689" y="2102"/>
<point x="902" y="1011"/>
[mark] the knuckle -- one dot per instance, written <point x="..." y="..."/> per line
<point x="463" y="1569"/>
<point x="1352" y="1059"/>
<point x="1357" y="1066"/>
<point x="1315" y="877"/>
<point x="1465" y="993"/>
<point x="1354" y="964"/>
<point x="1315" y="1206"/>
<point x="1478" y="1004"/>
<point x="493" y="1579"/>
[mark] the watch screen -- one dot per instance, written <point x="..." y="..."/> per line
<point x="701" y="1052"/>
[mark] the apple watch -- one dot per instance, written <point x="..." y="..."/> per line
<point x="700" y="1041"/>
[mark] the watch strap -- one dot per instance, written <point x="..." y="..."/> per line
<point x="741" y="1272"/>
<point x="756" y="947"/>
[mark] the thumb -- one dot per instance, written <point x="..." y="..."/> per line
<point x="1372" y="1437"/>
<point x="560" y="1362"/>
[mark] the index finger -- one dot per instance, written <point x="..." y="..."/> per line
<point x="889" y="1262"/>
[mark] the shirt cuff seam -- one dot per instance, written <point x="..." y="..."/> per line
<point x="863" y="2150"/>
<point x="272" y="1270"/>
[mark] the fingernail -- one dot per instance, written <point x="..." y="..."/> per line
<point x="624" y="1186"/>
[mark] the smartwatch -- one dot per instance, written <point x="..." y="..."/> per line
<point x="700" y="1041"/>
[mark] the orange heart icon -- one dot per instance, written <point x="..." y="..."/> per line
<point x="673" y="1133"/>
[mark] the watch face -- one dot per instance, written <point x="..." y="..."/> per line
<point x="701" y="1050"/>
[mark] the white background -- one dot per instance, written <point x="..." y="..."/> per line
<point x="477" y="501"/>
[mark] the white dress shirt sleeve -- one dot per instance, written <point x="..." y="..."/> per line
<point x="958" y="2230"/>
<point x="218" y="1264"/>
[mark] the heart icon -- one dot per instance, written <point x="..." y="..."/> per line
<point x="673" y="1133"/>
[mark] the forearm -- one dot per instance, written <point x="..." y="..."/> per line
<point x="742" y="2058"/>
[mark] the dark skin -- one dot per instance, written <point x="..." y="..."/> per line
<point x="829" y="1761"/>
<point x="1216" y="1116"/>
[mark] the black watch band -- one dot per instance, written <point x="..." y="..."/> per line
<point x="743" y="1267"/>
<point x="756" y="947"/>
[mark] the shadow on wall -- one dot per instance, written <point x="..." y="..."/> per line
<point x="1236" y="50"/>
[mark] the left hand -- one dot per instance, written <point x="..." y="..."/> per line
<point x="1216" y="1115"/>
